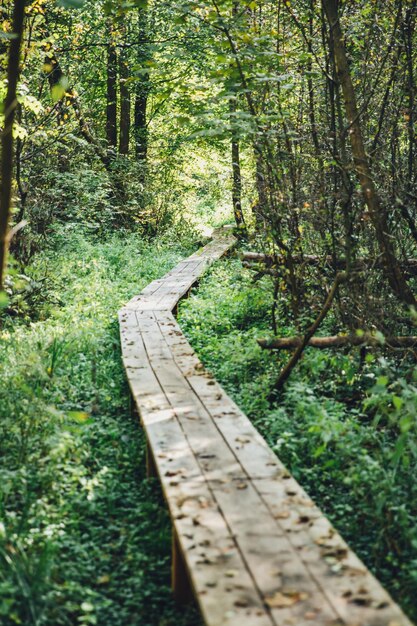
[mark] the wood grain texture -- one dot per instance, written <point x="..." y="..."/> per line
<point x="258" y="552"/>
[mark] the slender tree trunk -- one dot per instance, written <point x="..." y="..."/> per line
<point x="409" y="28"/>
<point x="111" y="107"/>
<point x="21" y="185"/>
<point x="377" y="212"/>
<point x="141" y="126"/>
<point x="236" y="172"/>
<point x="10" y="105"/>
<point x="142" y="92"/>
<point x="124" y="126"/>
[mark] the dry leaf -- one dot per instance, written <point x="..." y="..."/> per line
<point x="282" y="515"/>
<point x="242" y="439"/>
<point x="311" y="615"/>
<point x="242" y="603"/>
<point x="282" y="600"/>
<point x="174" y="472"/>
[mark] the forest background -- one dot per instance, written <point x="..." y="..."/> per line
<point x="137" y="126"/>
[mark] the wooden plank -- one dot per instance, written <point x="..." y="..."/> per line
<point x="250" y="448"/>
<point x="230" y="486"/>
<point x="222" y="586"/>
<point x="347" y="584"/>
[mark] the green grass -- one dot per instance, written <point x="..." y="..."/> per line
<point x="84" y="536"/>
<point x="348" y="432"/>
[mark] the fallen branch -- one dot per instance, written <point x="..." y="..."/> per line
<point x="361" y="264"/>
<point x="269" y="271"/>
<point x="338" y="341"/>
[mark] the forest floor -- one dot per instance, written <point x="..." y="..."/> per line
<point x="84" y="535"/>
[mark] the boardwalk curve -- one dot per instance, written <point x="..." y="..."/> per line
<point x="248" y="542"/>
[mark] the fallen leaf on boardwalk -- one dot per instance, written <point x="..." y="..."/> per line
<point x="242" y="603"/>
<point x="174" y="472"/>
<point x="242" y="486"/>
<point x="337" y="552"/>
<point x="242" y="439"/>
<point x="311" y="615"/>
<point x="282" y="515"/>
<point x="282" y="600"/>
<point x="276" y="572"/>
<point x="304" y="502"/>
<point x="353" y="571"/>
<point x="323" y="541"/>
<point x="231" y="573"/>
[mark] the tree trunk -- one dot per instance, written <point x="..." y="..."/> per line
<point x="10" y="104"/>
<point x="142" y="92"/>
<point x="236" y="172"/>
<point x="111" y="107"/>
<point x="377" y="212"/>
<point x="124" y="125"/>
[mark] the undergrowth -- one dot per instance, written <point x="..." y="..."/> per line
<point x="84" y="536"/>
<point x="345" y="428"/>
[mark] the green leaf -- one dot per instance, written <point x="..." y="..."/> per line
<point x="397" y="402"/>
<point x="58" y="90"/>
<point x="81" y="417"/>
<point x="4" y="300"/>
<point x="4" y="35"/>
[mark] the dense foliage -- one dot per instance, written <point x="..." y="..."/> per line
<point x="84" y="536"/>
<point x="127" y="125"/>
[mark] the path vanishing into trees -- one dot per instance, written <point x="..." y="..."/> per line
<point x="248" y="542"/>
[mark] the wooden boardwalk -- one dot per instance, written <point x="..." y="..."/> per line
<point x="247" y="540"/>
